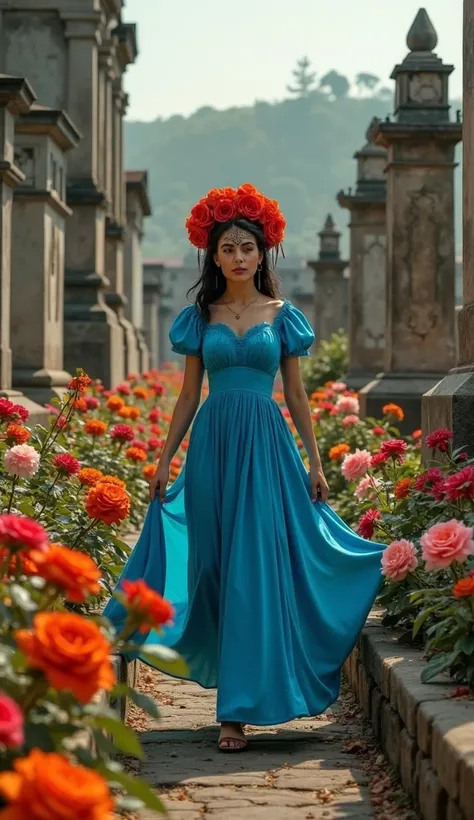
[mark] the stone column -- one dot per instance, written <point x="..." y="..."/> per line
<point x="330" y="287"/>
<point x="421" y="140"/>
<point x="367" y="225"/>
<point x="43" y="136"/>
<point x="137" y="208"/>
<point x="93" y="338"/>
<point x="16" y="98"/>
<point x="451" y="402"/>
<point x="151" y="311"/>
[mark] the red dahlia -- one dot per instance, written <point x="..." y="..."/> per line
<point x="424" y="482"/>
<point x="378" y="459"/>
<point x="460" y="485"/>
<point x="122" y="432"/>
<point x="66" y="464"/>
<point x="367" y="523"/>
<point x="394" y="448"/>
<point x="17" y="531"/>
<point x="439" y="439"/>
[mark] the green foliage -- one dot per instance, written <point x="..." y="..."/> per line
<point x="304" y="79"/>
<point x="329" y="363"/>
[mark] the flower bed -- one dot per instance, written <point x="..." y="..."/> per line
<point x="67" y="493"/>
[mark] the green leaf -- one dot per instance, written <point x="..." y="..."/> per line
<point x="166" y="660"/>
<point x="466" y="644"/>
<point x="422" y="618"/>
<point x="437" y="664"/>
<point x="139" y="699"/>
<point x="26" y="508"/>
<point x="124" y="738"/>
<point x="133" y="786"/>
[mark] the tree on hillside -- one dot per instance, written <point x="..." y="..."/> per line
<point x="336" y="84"/>
<point x="366" y="82"/>
<point x="304" y="79"/>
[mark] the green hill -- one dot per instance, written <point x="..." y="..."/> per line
<point x="299" y="151"/>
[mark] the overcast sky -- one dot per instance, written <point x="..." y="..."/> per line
<point x="219" y="53"/>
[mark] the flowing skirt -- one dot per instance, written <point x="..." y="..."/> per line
<point x="270" y="589"/>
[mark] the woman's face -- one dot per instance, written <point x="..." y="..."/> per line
<point x="238" y="255"/>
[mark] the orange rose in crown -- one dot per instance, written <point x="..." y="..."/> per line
<point x="225" y="204"/>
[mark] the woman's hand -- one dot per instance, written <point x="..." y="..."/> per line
<point x="160" y="481"/>
<point x="319" y="485"/>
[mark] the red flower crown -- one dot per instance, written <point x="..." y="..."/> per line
<point x="224" y="204"/>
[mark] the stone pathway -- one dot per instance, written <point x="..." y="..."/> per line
<point x="326" y="767"/>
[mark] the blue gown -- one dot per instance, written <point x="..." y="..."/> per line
<point x="270" y="589"/>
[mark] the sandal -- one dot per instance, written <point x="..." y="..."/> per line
<point x="241" y="744"/>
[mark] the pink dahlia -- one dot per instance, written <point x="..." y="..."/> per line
<point x="22" y="461"/>
<point x="355" y="465"/>
<point x="367" y="523"/>
<point x="124" y="389"/>
<point x="439" y="439"/>
<point x="92" y="402"/>
<point x="16" y="532"/>
<point x="339" y="387"/>
<point x="347" y="404"/>
<point x="137" y="442"/>
<point x="348" y="421"/>
<point x="11" y="722"/>
<point x="445" y="543"/>
<point x="66" y="464"/>
<point x="398" y="559"/>
<point x="366" y="488"/>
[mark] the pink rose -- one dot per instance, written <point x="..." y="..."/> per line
<point x="366" y="488"/>
<point x="11" y="722"/>
<point x="339" y="387"/>
<point x="22" y="461"/>
<point x="347" y="421"/>
<point x="398" y="560"/>
<point x="355" y="465"/>
<point x="347" y="404"/>
<point x="445" y="543"/>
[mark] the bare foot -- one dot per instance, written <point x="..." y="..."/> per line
<point x="231" y="738"/>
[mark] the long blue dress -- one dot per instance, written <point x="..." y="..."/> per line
<point x="270" y="589"/>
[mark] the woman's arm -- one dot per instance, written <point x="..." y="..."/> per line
<point x="183" y="414"/>
<point x="297" y="403"/>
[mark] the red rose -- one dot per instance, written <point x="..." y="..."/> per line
<point x="199" y="237"/>
<point x="17" y="532"/>
<point x="11" y="722"/>
<point x="271" y="210"/>
<point x="246" y="188"/>
<point x="378" y="459"/>
<point x="201" y="216"/>
<point x="225" y="209"/>
<point x="275" y="231"/>
<point x="367" y="523"/>
<point x="460" y="485"/>
<point x="250" y="206"/>
<point x="394" y="448"/>
<point x="378" y="431"/>
<point x="439" y="439"/>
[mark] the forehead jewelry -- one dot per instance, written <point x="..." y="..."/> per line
<point x="237" y="235"/>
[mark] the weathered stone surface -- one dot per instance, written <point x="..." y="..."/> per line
<point x="407" y="761"/>
<point x="407" y="692"/>
<point x="376" y="711"/>
<point x="466" y="785"/>
<point x="432" y="798"/>
<point x="391" y="726"/>
<point x="452" y="742"/>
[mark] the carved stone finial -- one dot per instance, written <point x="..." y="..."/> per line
<point x="422" y="35"/>
<point x="329" y="224"/>
<point x="370" y="133"/>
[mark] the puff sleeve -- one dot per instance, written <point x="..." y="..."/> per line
<point x="186" y="332"/>
<point x="296" y="333"/>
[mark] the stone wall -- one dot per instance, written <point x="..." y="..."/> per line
<point x="427" y="736"/>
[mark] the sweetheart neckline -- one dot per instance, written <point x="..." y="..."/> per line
<point x="242" y="336"/>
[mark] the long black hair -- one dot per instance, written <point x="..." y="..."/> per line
<point x="211" y="284"/>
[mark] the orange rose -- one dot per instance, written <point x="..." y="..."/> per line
<point x="47" y="785"/>
<point x="464" y="588"/>
<point x="108" y="503"/>
<point x="250" y="205"/>
<point x="90" y="476"/>
<point x="95" y="427"/>
<point x="338" y="451"/>
<point x="201" y="215"/>
<point x="27" y="565"/>
<point x="393" y="410"/>
<point x="115" y="403"/>
<point x="136" y="454"/>
<point x="247" y="188"/>
<point x="147" y="604"/>
<point x="149" y="471"/>
<point x="140" y="393"/>
<point x="112" y="479"/>
<point x="402" y="488"/>
<point x="199" y="237"/>
<point x="275" y="231"/>
<point x="72" y="571"/>
<point x="225" y="209"/>
<point x="17" y="433"/>
<point x="216" y="194"/>
<point x="71" y="651"/>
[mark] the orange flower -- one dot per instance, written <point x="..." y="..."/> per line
<point x="318" y="395"/>
<point x="112" y="479"/>
<point x="393" y="410"/>
<point x="115" y="403"/>
<point x="464" y="588"/>
<point x="72" y="571"/>
<point x="140" y="393"/>
<point x="134" y="412"/>
<point x="47" y="785"/>
<point x="17" y="433"/>
<point x="124" y="412"/>
<point x="90" y="476"/>
<point x="71" y="651"/>
<point x="147" y="604"/>
<point x="136" y="454"/>
<point x="149" y="471"/>
<point x="80" y="405"/>
<point x="79" y="384"/>
<point x="108" y="503"/>
<point x="338" y="451"/>
<point x="402" y="488"/>
<point x="95" y="427"/>
<point x="28" y="567"/>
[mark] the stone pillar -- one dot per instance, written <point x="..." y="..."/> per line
<point x="421" y="140"/>
<point x="151" y="311"/>
<point x="330" y="287"/>
<point x="43" y="136"/>
<point x="451" y="402"/>
<point x="367" y="225"/>
<point x="137" y="207"/>
<point x="93" y="338"/>
<point x="16" y="98"/>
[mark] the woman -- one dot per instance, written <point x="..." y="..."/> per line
<point x="270" y="587"/>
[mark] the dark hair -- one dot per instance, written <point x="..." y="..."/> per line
<point x="212" y="283"/>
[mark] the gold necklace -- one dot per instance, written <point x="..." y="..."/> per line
<point x="238" y="315"/>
